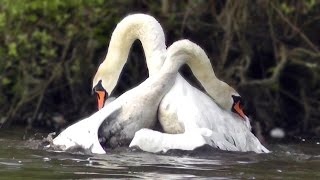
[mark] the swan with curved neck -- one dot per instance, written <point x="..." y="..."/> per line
<point x="127" y="116"/>
<point x="150" y="33"/>
<point x="121" y="118"/>
<point x="133" y="27"/>
<point x="213" y="126"/>
<point x="134" y="110"/>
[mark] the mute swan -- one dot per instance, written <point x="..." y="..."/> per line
<point x="132" y="111"/>
<point x="182" y="98"/>
<point x="206" y="125"/>
<point x="182" y="107"/>
<point x="136" y="109"/>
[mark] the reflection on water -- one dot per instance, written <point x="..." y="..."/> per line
<point x="25" y="159"/>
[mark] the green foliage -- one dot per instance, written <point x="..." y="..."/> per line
<point x="42" y="41"/>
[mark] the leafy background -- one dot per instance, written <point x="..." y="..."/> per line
<point x="268" y="50"/>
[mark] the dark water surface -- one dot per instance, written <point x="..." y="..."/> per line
<point x="25" y="159"/>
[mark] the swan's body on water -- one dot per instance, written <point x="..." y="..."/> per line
<point x="184" y="109"/>
<point x="207" y="124"/>
<point x="150" y="33"/>
<point x="132" y="111"/>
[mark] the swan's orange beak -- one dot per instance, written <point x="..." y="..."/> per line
<point x="238" y="110"/>
<point x="101" y="97"/>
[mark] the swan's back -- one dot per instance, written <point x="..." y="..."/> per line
<point x="195" y="109"/>
<point x="227" y="128"/>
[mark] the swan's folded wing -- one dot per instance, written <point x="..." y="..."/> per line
<point x="81" y="135"/>
<point x="228" y="131"/>
<point x="84" y="134"/>
<point x="154" y="141"/>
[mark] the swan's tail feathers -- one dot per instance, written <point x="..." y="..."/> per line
<point x="264" y="149"/>
<point x="247" y="141"/>
<point x="256" y="145"/>
<point x="219" y="141"/>
<point x="243" y="141"/>
<point x="154" y="141"/>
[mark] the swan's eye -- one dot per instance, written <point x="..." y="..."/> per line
<point x="237" y="106"/>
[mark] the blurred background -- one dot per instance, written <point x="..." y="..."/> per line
<point x="268" y="50"/>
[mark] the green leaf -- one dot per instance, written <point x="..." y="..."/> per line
<point x="5" y="81"/>
<point x="2" y="20"/>
<point x="13" y="49"/>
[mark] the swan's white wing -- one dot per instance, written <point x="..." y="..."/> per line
<point x="230" y="128"/>
<point x="80" y="134"/>
<point x="195" y="110"/>
<point x="84" y="133"/>
<point x="154" y="141"/>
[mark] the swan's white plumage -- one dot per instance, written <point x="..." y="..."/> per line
<point x="84" y="134"/>
<point x="184" y="109"/>
<point x="227" y="130"/>
<point x="138" y="26"/>
<point x="154" y="141"/>
<point x="132" y="111"/>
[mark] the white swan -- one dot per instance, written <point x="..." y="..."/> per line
<point x="132" y="111"/>
<point x="150" y="33"/>
<point x="133" y="27"/>
<point x="184" y="107"/>
<point x="208" y="124"/>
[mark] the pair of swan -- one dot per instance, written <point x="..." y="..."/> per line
<point x="191" y="117"/>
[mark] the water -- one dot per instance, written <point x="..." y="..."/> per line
<point x="26" y="159"/>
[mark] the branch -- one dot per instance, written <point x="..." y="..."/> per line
<point x="276" y="73"/>
<point x="295" y="28"/>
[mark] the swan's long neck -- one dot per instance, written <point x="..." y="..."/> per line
<point x="133" y="27"/>
<point x="184" y="51"/>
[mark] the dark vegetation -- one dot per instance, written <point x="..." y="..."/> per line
<point x="268" y="50"/>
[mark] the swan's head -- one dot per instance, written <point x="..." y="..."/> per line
<point x="101" y="93"/>
<point x="237" y="106"/>
<point x="103" y="84"/>
<point x="229" y="99"/>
